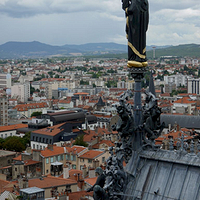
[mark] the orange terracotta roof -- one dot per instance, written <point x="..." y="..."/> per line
<point x="12" y="127"/>
<point x="185" y="100"/>
<point x="81" y="93"/>
<point x="50" y="181"/>
<point x="30" y="162"/>
<point x="53" y="130"/>
<point x="90" y="136"/>
<point x="64" y="101"/>
<point x="26" y="107"/>
<point x="91" y="154"/>
<point x="3" y="185"/>
<point x="56" y="151"/>
<point x="107" y="142"/>
<point x="75" y="149"/>
<point x="78" y="195"/>
<point x="175" y="136"/>
<point x="18" y="157"/>
<point x="91" y="181"/>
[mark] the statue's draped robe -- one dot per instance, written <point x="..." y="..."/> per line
<point x="137" y="13"/>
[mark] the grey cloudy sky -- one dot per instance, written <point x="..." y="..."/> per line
<point x="60" y="22"/>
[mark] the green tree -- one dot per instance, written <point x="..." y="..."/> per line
<point x="79" y="141"/>
<point x="26" y="139"/>
<point x="35" y="114"/>
<point x="1" y="142"/>
<point x="14" y="143"/>
<point x="32" y="89"/>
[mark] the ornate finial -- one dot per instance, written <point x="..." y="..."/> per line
<point x="171" y="144"/>
<point x="182" y="145"/>
<point x="198" y="147"/>
<point x="192" y="147"/>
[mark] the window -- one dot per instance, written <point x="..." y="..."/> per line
<point x="73" y="166"/>
<point x="67" y="157"/>
<point x="47" y="171"/>
<point x="51" y="159"/>
<point x="37" y="146"/>
<point x="10" y="134"/>
<point x="103" y="159"/>
<point x="82" y="159"/>
<point x="6" y="135"/>
<point x="47" y="160"/>
<point x="89" y="160"/>
<point x="81" y="167"/>
<point x="73" y="157"/>
<point x="33" y="138"/>
<point x="50" y="141"/>
<point x="42" y="140"/>
<point x="59" y="158"/>
<point x="33" y="146"/>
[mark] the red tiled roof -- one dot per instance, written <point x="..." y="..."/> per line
<point x="25" y="107"/>
<point x="78" y="195"/>
<point x="107" y="142"/>
<point x="56" y="151"/>
<point x="91" y="181"/>
<point x="12" y="127"/>
<point x="81" y="93"/>
<point x="91" y="154"/>
<point x="53" y="130"/>
<point x="50" y="181"/>
<point x="185" y="100"/>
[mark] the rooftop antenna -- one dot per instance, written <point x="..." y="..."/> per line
<point x="154" y="52"/>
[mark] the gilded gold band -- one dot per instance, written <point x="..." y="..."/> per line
<point x="135" y="51"/>
<point x="127" y="24"/>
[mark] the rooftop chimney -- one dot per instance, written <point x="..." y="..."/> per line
<point x="65" y="171"/>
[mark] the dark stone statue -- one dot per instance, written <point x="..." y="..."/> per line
<point x="125" y="125"/>
<point x="137" y="19"/>
<point x="97" y="188"/>
<point x="115" y="174"/>
<point x="151" y="119"/>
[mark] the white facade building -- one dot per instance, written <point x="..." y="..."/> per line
<point x="21" y="91"/>
<point x="193" y="86"/>
<point x="5" y="81"/>
<point x="178" y="79"/>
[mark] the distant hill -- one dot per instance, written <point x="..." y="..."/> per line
<point x="38" y="50"/>
<point x="191" y="50"/>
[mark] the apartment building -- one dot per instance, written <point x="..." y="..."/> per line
<point x="5" y="81"/>
<point x="3" y="111"/>
<point x="193" y="86"/>
<point x="21" y="91"/>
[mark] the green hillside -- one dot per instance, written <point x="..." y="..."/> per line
<point x="190" y="50"/>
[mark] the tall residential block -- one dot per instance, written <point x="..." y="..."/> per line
<point x="3" y="111"/>
<point x="21" y="91"/>
<point x="5" y="81"/>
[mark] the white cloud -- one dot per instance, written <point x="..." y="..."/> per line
<point x="83" y="21"/>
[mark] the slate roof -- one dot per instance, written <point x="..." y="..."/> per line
<point x="187" y="121"/>
<point x="163" y="175"/>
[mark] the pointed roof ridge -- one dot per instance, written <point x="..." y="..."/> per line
<point x="100" y="102"/>
<point x="151" y="84"/>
